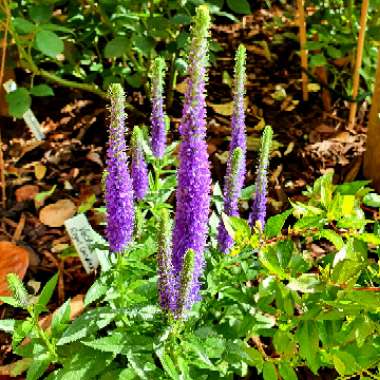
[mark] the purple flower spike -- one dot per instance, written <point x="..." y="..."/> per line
<point x="118" y="184"/>
<point x="232" y="189"/>
<point x="185" y="300"/>
<point x="194" y="179"/>
<point x="158" y="116"/>
<point x="139" y="170"/>
<point x="238" y="137"/>
<point x="259" y="206"/>
<point x="167" y="288"/>
<point x="235" y="172"/>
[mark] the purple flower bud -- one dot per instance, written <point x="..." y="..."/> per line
<point x="232" y="189"/>
<point x="193" y="192"/>
<point x="118" y="184"/>
<point x="167" y="288"/>
<point x="260" y="202"/>
<point x="139" y="170"/>
<point x="185" y="300"/>
<point x="158" y="141"/>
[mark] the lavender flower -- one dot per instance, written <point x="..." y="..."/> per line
<point x="185" y="300"/>
<point x="193" y="192"/>
<point x="118" y="184"/>
<point x="235" y="172"/>
<point x="158" y="117"/>
<point x="258" y="214"/>
<point x="139" y="170"/>
<point x="166" y="282"/>
<point x="232" y="189"/>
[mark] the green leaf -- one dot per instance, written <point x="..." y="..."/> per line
<point x="42" y="90"/>
<point x="23" y="26"/>
<point x="143" y="44"/>
<point x="351" y="188"/>
<point x="19" y="101"/>
<point x="49" y="43"/>
<point x="307" y="335"/>
<point x="97" y="290"/>
<point x="40" y="13"/>
<point x="61" y="318"/>
<point x="269" y="371"/>
<point x="117" y="47"/>
<point x="333" y="52"/>
<point x="332" y="237"/>
<point x="306" y="283"/>
<point x="7" y="325"/>
<point x="48" y="291"/>
<point x="372" y="200"/>
<point x="345" y="363"/>
<point x="168" y="365"/>
<point x="87" y="324"/>
<point x="247" y="192"/>
<point x="112" y="343"/>
<point x="286" y="371"/>
<point x="10" y="301"/>
<point x="239" y="6"/>
<point x="318" y="60"/>
<point x="275" y="224"/>
<point x="37" y="368"/>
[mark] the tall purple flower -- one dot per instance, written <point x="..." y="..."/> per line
<point x="118" y="184"/>
<point x="238" y="137"/>
<point x="139" y="170"/>
<point x="158" y="137"/>
<point x="167" y="288"/>
<point x="193" y="192"/>
<point x="232" y="189"/>
<point x="234" y="179"/>
<point x="260" y="202"/>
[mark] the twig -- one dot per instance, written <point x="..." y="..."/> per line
<point x="2" y="176"/>
<point x="302" y="26"/>
<point x="358" y="63"/>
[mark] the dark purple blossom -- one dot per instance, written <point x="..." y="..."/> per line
<point x="118" y="184"/>
<point x="139" y="170"/>
<point x="259" y="206"/>
<point x="193" y="192"/>
<point x="158" y="138"/>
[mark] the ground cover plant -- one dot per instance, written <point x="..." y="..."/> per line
<point x="186" y="293"/>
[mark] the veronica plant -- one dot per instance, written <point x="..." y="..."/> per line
<point x="259" y="206"/>
<point x="139" y="170"/>
<point x="236" y="163"/>
<point x="192" y="195"/>
<point x="118" y="184"/>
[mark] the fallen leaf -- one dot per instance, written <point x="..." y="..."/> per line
<point x="13" y="259"/>
<point x="39" y="171"/>
<point x="9" y="371"/>
<point x="226" y="109"/>
<point x="181" y="87"/>
<point x="54" y="215"/>
<point x="26" y="193"/>
<point x="313" y="87"/>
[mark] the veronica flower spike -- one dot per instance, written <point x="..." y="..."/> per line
<point x="167" y="289"/>
<point x="194" y="179"/>
<point x="232" y="189"/>
<point x="158" y="133"/>
<point x="118" y="184"/>
<point x="139" y="170"/>
<point x="258" y="214"/>
<point x="238" y="135"/>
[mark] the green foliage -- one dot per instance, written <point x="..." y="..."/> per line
<point x="90" y="45"/>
